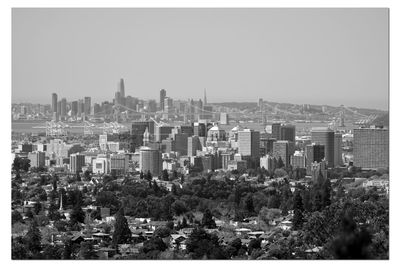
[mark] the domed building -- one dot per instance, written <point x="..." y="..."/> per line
<point x="216" y="134"/>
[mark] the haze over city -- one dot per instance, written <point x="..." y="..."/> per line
<point x="313" y="56"/>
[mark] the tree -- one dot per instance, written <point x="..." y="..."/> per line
<point x="18" y="249"/>
<point x="87" y="251"/>
<point x="268" y="215"/>
<point x="207" y="220"/>
<point x="149" y="176"/>
<point x="253" y="245"/>
<point x="141" y="175"/>
<point x="178" y="207"/>
<point x="261" y="178"/>
<point x="162" y="232"/>
<point x="249" y="204"/>
<point x="122" y="233"/>
<point x="298" y="217"/>
<point x="51" y="252"/>
<point x="326" y="193"/>
<point x="21" y="164"/>
<point x="37" y="207"/>
<point x="280" y="163"/>
<point x="77" y="215"/>
<point x="33" y="238"/>
<point x="78" y="177"/>
<point x="234" y="246"/>
<point x="202" y="245"/>
<point x="16" y="217"/>
<point x="165" y="175"/>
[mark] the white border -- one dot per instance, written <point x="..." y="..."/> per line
<point x="5" y="17"/>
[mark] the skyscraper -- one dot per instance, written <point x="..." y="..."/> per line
<point x="54" y="102"/>
<point x="283" y="149"/>
<point x="371" y="147"/>
<point x="81" y="107"/>
<point x="63" y="107"/>
<point x="150" y="160"/>
<point x="122" y="88"/>
<point x="163" y="94"/>
<point x="325" y="136"/>
<point x="276" y="131"/>
<point x="249" y="143"/>
<point x="74" y="108"/>
<point x="87" y="105"/>
<point x="337" y="161"/>
<point x="76" y="161"/>
<point x="314" y="153"/>
<point x="205" y="97"/>
<point x="288" y="133"/>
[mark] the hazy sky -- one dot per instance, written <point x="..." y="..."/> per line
<point x="315" y="56"/>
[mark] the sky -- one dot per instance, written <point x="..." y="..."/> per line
<point x="301" y="56"/>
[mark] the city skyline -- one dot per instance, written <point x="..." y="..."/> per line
<point x="270" y="53"/>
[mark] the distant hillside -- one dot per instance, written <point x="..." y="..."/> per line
<point x="382" y="120"/>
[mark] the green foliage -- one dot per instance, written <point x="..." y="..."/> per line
<point x="208" y="220"/>
<point x="298" y="217"/>
<point x="122" y="233"/>
<point x="87" y="251"/>
<point x="16" y="217"/>
<point x="33" y="238"/>
<point x="202" y="245"/>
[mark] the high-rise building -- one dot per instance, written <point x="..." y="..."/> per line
<point x="54" y="102"/>
<point x="193" y="145"/>
<point x="325" y="136"/>
<point x="163" y="94"/>
<point x="267" y="162"/>
<point x="37" y="159"/>
<point x="276" y="131"/>
<point x="152" y="106"/>
<point x="314" y="153"/>
<point x="371" y="147"/>
<point x="249" y="143"/>
<point x="119" y="163"/>
<point x="162" y="132"/>
<point x="200" y="129"/>
<point x="81" y="107"/>
<point x="88" y="105"/>
<point x="168" y="105"/>
<point x="225" y="159"/>
<point x="298" y="160"/>
<point x="205" y="97"/>
<point x="138" y="129"/>
<point x="121" y="86"/>
<point x="337" y="160"/>
<point x="288" y="133"/>
<point x="181" y="143"/>
<point x="283" y="149"/>
<point x="59" y="108"/>
<point x="74" y="108"/>
<point x="103" y="142"/>
<point x="63" y="107"/>
<point x="76" y="162"/>
<point x="150" y="160"/>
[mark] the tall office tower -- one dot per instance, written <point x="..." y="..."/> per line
<point x="276" y="131"/>
<point x="81" y="107"/>
<point x="288" y="133"/>
<point x="37" y="159"/>
<point x="138" y="129"/>
<point x="314" y="153"/>
<point x="88" y="105"/>
<point x="225" y="158"/>
<point x="325" y="136"/>
<point x="76" y="162"/>
<point x="74" y="108"/>
<point x="249" y="143"/>
<point x="146" y="137"/>
<point x="121" y="86"/>
<point x="199" y="107"/>
<point x="283" y="149"/>
<point x="161" y="132"/>
<point x="63" y="108"/>
<point x="200" y="129"/>
<point x="205" y="97"/>
<point x="150" y="160"/>
<point x="267" y="162"/>
<point x="181" y="143"/>
<point x="168" y="105"/>
<point x="193" y="145"/>
<point x="337" y="160"/>
<point x="59" y="108"/>
<point x="298" y="160"/>
<point x="54" y="102"/>
<point x="96" y="108"/>
<point x="119" y="163"/>
<point x="371" y="147"/>
<point x="187" y="129"/>
<point x="163" y="94"/>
